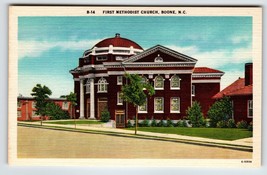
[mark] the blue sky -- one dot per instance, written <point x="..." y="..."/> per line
<point x="50" y="46"/>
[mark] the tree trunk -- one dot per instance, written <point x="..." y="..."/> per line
<point x="41" y="120"/>
<point x="136" y="121"/>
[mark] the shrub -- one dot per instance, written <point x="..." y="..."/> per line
<point x="195" y="115"/>
<point x="105" y="115"/>
<point x="231" y="123"/>
<point x="129" y="124"/>
<point x="250" y="126"/>
<point x="161" y="123"/>
<point x="144" y="123"/>
<point x="169" y="123"/>
<point x="181" y="123"/>
<point x="221" y="110"/>
<point x="242" y="125"/>
<point x="222" y="124"/>
<point x="55" y="112"/>
<point x="153" y="123"/>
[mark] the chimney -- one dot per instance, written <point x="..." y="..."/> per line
<point x="248" y="74"/>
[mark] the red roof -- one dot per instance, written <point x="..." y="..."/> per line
<point x="236" y="88"/>
<point x="206" y="70"/>
<point x="117" y="41"/>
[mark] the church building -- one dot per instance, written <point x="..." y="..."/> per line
<point x="177" y="82"/>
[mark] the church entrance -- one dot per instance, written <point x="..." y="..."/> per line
<point x="120" y="119"/>
<point x="102" y="105"/>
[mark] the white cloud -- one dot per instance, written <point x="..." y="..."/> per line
<point x="229" y="77"/>
<point x="216" y="58"/>
<point x="36" y="48"/>
<point x="239" y="39"/>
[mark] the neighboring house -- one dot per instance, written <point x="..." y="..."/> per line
<point x="26" y="107"/>
<point x="241" y="94"/>
<point x="100" y="75"/>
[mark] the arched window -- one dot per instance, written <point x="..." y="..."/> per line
<point x="158" y="59"/>
<point x="159" y="82"/>
<point x="102" y="85"/>
<point x="175" y="82"/>
<point x="143" y="79"/>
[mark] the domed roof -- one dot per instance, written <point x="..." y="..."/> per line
<point x="117" y="41"/>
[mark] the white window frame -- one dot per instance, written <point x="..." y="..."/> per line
<point x="102" y="82"/>
<point x="65" y="105"/>
<point x="119" y="80"/>
<point x="179" y="81"/>
<point x="34" y="104"/>
<point x="18" y="114"/>
<point x="34" y="115"/>
<point x="101" y="58"/>
<point x="179" y="105"/>
<point x="19" y="104"/>
<point x="155" y="82"/>
<point x="155" y="99"/>
<point x="250" y="106"/>
<point x="119" y="99"/>
<point x="141" y="111"/>
<point x="193" y="90"/>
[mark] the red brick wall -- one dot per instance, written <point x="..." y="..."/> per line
<point x="241" y="108"/>
<point x="204" y="93"/>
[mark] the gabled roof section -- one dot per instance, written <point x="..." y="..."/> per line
<point x="236" y="88"/>
<point x="205" y="70"/>
<point x="163" y="49"/>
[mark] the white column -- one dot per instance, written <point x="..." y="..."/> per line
<point x="92" y="99"/>
<point x="81" y="99"/>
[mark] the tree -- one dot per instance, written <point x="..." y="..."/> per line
<point x="55" y="112"/>
<point x="41" y="94"/>
<point x="135" y="92"/>
<point x="221" y="110"/>
<point x="195" y="115"/>
<point x="72" y="98"/>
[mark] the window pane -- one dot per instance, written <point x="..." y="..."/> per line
<point x="158" y="104"/>
<point x="175" y="104"/>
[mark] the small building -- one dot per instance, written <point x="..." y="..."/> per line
<point x="241" y="94"/>
<point x="26" y="110"/>
<point x="99" y="76"/>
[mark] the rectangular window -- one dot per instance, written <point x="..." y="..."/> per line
<point x="250" y="108"/>
<point x="193" y="90"/>
<point x="158" y="105"/>
<point x="101" y="58"/>
<point x="143" y="108"/>
<point x="175" y="105"/>
<point x="33" y="104"/>
<point x="18" y="113"/>
<point x="119" y="99"/>
<point x="119" y="80"/>
<point x="87" y="88"/>
<point x="34" y="114"/>
<point x="65" y="105"/>
<point x="19" y="104"/>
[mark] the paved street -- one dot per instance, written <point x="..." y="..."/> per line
<point x="45" y="143"/>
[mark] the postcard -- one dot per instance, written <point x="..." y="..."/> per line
<point x="135" y="86"/>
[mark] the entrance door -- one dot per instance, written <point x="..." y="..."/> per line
<point x="102" y="105"/>
<point x="120" y="119"/>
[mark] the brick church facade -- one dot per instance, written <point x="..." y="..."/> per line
<point x="177" y="82"/>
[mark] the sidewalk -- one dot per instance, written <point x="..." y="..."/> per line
<point x="242" y="144"/>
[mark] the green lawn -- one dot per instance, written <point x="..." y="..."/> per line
<point x="78" y="122"/>
<point x="213" y="133"/>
